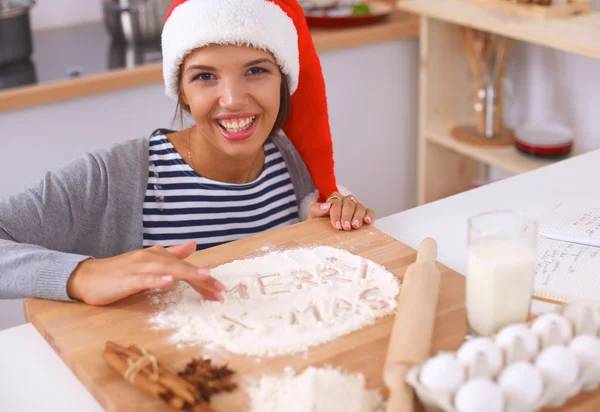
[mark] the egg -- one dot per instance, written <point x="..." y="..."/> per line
<point x="522" y="385"/>
<point x="471" y="350"/>
<point x="442" y="373"/>
<point x="508" y="338"/>
<point x="584" y="318"/>
<point x="587" y="350"/>
<point x="558" y="365"/>
<point x="479" y="394"/>
<point x="552" y="328"/>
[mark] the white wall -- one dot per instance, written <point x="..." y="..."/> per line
<point x="47" y="14"/>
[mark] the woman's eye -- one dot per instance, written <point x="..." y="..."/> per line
<point x="204" y="76"/>
<point x="257" y="70"/>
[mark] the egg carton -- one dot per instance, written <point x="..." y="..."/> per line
<point x="525" y="367"/>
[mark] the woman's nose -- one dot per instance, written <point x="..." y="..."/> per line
<point x="234" y="95"/>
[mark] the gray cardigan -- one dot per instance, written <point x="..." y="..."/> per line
<point x="92" y="207"/>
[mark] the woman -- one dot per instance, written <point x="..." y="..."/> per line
<point x="120" y="221"/>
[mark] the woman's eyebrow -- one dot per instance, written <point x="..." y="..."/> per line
<point x="200" y="67"/>
<point x="212" y="68"/>
<point x="259" y="61"/>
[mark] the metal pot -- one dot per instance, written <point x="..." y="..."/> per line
<point x="15" y="31"/>
<point x="21" y="73"/>
<point x="135" y="21"/>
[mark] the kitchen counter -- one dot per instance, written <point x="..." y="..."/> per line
<point x="28" y="355"/>
<point x="74" y="62"/>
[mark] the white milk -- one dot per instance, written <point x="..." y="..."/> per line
<point x="499" y="284"/>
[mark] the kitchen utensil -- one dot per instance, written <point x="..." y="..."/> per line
<point x="548" y="140"/>
<point x="412" y="332"/>
<point x="135" y="21"/>
<point x="379" y="10"/>
<point x="486" y="55"/>
<point x="21" y="73"/>
<point x="15" y="31"/>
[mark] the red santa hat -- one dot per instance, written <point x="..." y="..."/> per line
<point x="275" y="25"/>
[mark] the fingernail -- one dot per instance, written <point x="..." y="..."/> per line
<point x="325" y="206"/>
<point x="203" y="272"/>
<point x="356" y="223"/>
<point x="347" y="225"/>
<point x="368" y="219"/>
<point x="338" y="225"/>
<point x="166" y="278"/>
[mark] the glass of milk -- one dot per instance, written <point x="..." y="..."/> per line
<point x="501" y="257"/>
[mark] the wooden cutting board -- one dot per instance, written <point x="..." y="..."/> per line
<point x="78" y="332"/>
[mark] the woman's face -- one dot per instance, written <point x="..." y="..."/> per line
<point x="234" y="96"/>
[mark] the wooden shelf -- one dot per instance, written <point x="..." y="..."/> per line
<point x="577" y="34"/>
<point x="447" y="166"/>
<point x="507" y="158"/>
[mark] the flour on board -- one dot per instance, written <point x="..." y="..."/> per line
<point x="283" y="302"/>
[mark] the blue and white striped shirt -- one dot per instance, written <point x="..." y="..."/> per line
<point x="181" y="205"/>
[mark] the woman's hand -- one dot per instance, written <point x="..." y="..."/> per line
<point x="345" y="212"/>
<point x="104" y="281"/>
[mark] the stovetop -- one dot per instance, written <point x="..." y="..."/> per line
<point x="65" y="53"/>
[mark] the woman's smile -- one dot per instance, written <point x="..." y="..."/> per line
<point x="235" y="127"/>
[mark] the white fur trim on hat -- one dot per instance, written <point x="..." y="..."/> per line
<point x="259" y="23"/>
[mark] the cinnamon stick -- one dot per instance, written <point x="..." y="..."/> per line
<point x="177" y="384"/>
<point x="141" y="381"/>
<point x="151" y="378"/>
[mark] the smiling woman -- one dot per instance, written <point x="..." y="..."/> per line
<point x="259" y="156"/>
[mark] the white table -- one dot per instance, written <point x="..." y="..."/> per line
<point x="533" y="194"/>
<point x="33" y="377"/>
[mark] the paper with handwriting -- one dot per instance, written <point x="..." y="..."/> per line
<point x="565" y="271"/>
<point x="572" y="219"/>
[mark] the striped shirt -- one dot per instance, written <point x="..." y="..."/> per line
<point x="181" y="205"/>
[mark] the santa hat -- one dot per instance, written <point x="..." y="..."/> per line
<point x="275" y="25"/>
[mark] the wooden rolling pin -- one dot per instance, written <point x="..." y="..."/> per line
<point x="412" y="333"/>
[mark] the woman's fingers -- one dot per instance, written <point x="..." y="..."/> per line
<point x="167" y="263"/>
<point x="347" y="213"/>
<point x="207" y="294"/>
<point x="348" y="207"/>
<point x="182" y="251"/>
<point x="359" y="214"/>
<point x="208" y="282"/>
<point x="209" y="287"/>
<point x="369" y="216"/>
<point x="152" y="282"/>
<point x="335" y="210"/>
<point x="319" y="210"/>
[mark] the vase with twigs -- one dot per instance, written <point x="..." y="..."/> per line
<point x="486" y="54"/>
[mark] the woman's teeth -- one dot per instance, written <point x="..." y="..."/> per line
<point x="237" y="125"/>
